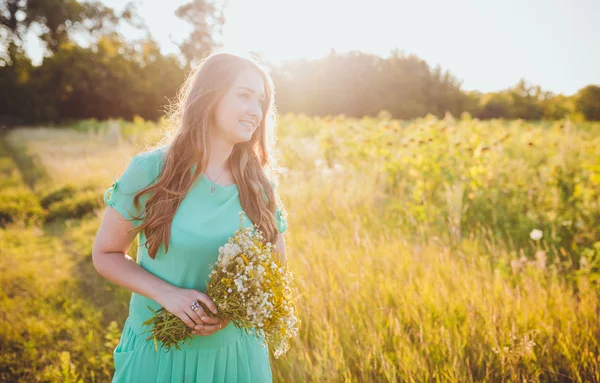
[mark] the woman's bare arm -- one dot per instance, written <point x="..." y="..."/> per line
<point x="112" y="262"/>
<point x="110" y="259"/>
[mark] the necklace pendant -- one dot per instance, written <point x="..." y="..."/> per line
<point x="212" y="189"/>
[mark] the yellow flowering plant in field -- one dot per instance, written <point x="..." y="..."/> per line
<point x="251" y="286"/>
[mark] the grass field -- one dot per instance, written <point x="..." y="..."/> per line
<point x="411" y="241"/>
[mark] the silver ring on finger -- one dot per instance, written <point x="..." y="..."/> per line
<point x="195" y="306"/>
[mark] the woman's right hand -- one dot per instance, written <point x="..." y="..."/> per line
<point x="179" y="302"/>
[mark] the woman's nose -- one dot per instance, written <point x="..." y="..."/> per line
<point x="255" y="112"/>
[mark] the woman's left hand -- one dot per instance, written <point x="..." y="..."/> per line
<point x="211" y="326"/>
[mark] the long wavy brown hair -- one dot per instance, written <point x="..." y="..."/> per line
<point x="251" y="164"/>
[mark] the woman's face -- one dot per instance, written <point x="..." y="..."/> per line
<point x="239" y="111"/>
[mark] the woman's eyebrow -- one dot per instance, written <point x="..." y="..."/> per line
<point x="251" y="90"/>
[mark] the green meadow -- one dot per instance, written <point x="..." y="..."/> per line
<point x="429" y="250"/>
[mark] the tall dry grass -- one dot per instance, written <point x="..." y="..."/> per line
<point x="410" y="241"/>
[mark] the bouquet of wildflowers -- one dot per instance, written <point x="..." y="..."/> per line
<point x="251" y="286"/>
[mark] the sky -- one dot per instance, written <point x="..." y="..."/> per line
<point x="488" y="45"/>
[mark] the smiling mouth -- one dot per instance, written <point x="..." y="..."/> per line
<point x="247" y="124"/>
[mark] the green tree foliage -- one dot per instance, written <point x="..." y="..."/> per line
<point x="207" y="21"/>
<point x="358" y="84"/>
<point x="494" y="105"/>
<point x="118" y="78"/>
<point x="525" y="101"/>
<point x="11" y="31"/>
<point x="587" y="102"/>
<point x="109" y="79"/>
<point x="60" y="18"/>
<point x="556" y="107"/>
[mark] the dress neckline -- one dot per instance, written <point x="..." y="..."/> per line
<point x="218" y="186"/>
<point x="205" y="179"/>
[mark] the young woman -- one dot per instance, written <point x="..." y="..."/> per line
<point x="183" y="200"/>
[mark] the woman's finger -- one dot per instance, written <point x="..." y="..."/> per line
<point x="206" y="330"/>
<point x="187" y="320"/>
<point x="207" y="326"/>
<point x="197" y="315"/>
<point x="207" y="301"/>
<point x="203" y="332"/>
<point x="208" y="320"/>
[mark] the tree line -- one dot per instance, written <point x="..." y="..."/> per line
<point x="116" y="78"/>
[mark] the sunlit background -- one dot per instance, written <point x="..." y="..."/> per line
<point x="489" y="45"/>
<point x="438" y="166"/>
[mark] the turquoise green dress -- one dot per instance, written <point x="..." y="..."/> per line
<point x="202" y="224"/>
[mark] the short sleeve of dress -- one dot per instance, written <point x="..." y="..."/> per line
<point x="279" y="217"/>
<point x="120" y="196"/>
<point x="281" y="221"/>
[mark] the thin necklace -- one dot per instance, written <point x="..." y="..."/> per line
<point x="213" y="187"/>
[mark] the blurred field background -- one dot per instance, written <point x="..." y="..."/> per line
<point x="437" y="234"/>
<point x="410" y="239"/>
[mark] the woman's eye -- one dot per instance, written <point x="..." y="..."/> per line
<point x="245" y="96"/>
